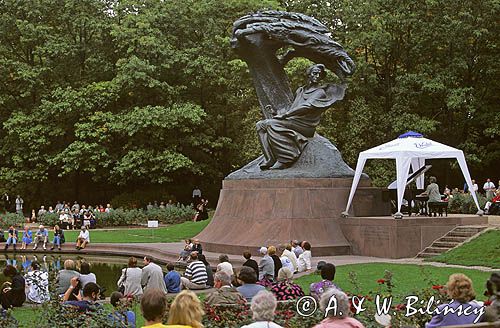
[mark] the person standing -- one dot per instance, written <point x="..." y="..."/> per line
<point x="196" y="196"/>
<point x="489" y="188"/>
<point x="19" y="205"/>
<point x="152" y="276"/>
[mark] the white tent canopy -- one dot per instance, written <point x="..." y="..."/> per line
<point x="410" y="149"/>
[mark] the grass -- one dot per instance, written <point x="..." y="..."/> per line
<point x="407" y="278"/>
<point x="483" y="250"/>
<point x="168" y="234"/>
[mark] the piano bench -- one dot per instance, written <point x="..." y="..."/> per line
<point x="437" y="208"/>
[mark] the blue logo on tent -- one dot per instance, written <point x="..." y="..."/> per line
<point x="410" y="134"/>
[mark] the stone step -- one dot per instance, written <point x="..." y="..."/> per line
<point x="426" y="254"/>
<point x="469" y="230"/>
<point x="438" y="250"/>
<point x="460" y="234"/>
<point x="445" y="244"/>
<point x="453" y="239"/>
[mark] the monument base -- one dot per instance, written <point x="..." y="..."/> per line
<point x="390" y="238"/>
<point x="260" y="212"/>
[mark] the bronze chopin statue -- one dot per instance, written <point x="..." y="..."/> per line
<point x="284" y="136"/>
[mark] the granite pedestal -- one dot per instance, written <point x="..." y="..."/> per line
<point x="259" y="212"/>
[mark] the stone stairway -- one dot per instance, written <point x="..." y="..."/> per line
<point x="452" y="239"/>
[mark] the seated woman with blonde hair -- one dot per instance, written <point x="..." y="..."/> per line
<point x="460" y="290"/>
<point x="185" y="311"/>
<point x="339" y="316"/>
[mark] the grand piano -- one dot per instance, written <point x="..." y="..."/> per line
<point x="411" y="194"/>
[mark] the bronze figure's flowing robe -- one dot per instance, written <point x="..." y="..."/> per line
<point x="284" y="137"/>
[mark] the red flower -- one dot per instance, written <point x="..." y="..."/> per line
<point x="381" y="281"/>
<point x="487" y="302"/>
<point x="400" y="307"/>
<point x="437" y="287"/>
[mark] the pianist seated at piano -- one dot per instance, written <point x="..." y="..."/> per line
<point x="433" y="193"/>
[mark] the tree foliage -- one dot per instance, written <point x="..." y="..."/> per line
<point x="100" y="96"/>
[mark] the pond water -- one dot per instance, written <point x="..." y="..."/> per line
<point x="106" y="269"/>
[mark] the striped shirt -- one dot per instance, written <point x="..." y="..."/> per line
<point x="197" y="272"/>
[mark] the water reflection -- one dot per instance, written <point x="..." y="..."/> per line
<point x="106" y="269"/>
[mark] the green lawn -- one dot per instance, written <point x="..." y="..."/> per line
<point x="406" y="278"/>
<point x="168" y="234"/>
<point x="483" y="250"/>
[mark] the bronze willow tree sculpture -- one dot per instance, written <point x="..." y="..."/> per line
<point x="290" y="122"/>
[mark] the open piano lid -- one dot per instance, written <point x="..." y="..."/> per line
<point x="412" y="176"/>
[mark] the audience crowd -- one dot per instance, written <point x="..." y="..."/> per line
<point x="260" y="284"/>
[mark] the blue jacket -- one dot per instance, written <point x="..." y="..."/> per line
<point x="173" y="281"/>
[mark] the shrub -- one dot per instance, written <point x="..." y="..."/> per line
<point x="122" y="217"/>
<point x="49" y="219"/>
<point x="464" y="203"/>
<point x="8" y="219"/>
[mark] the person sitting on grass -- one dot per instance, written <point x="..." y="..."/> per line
<point x="63" y="281"/>
<point x="339" y="317"/>
<point x="85" y="303"/>
<point x="284" y="289"/>
<point x="58" y="238"/>
<point x="121" y="316"/>
<point x="27" y="237"/>
<point x="263" y="307"/>
<point x="37" y="284"/>
<point x="153" y="308"/>
<point x="42" y="235"/>
<point x="304" y="260"/>
<point x="210" y="273"/>
<point x="224" y="265"/>
<point x="195" y="276"/>
<point x="251" y="263"/>
<point x="172" y="279"/>
<point x="85" y="275"/>
<point x="266" y="264"/>
<point x="328" y="274"/>
<point x="11" y="237"/>
<point x="12" y="293"/>
<point x="224" y="294"/>
<point x="130" y="279"/>
<point x="248" y="279"/>
<point x="83" y="238"/>
<point x="186" y="311"/>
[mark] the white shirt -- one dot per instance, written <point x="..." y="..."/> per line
<point x="488" y="186"/>
<point x="85" y="235"/>
<point x="37" y="286"/>
<point x="292" y="257"/>
<point x="475" y="187"/>
<point x="226" y="267"/>
<point x="196" y="192"/>
<point x="286" y="263"/>
<point x="304" y="261"/>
